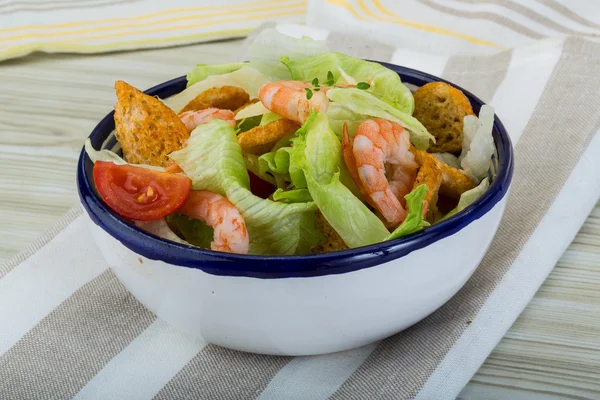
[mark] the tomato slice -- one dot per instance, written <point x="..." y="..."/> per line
<point x="140" y="193"/>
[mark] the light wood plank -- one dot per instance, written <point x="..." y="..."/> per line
<point x="50" y="103"/>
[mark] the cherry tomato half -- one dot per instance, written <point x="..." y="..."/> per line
<point x="140" y="193"/>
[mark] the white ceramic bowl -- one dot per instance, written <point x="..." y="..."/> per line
<point x="300" y="305"/>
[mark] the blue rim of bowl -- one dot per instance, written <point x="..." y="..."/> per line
<point x="295" y="266"/>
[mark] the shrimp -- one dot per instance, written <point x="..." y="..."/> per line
<point x="288" y="99"/>
<point x="230" y="234"/>
<point x="379" y="144"/>
<point x="191" y="119"/>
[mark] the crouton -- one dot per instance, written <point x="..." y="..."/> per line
<point x="441" y="108"/>
<point x="454" y="182"/>
<point x="261" y="139"/>
<point x="430" y="174"/>
<point x="332" y="242"/>
<point x="146" y="128"/>
<point x="226" y="98"/>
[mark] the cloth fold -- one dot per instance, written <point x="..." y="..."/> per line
<point x="70" y="329"/>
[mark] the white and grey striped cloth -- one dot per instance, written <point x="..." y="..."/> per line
<point x="68" y="328"/>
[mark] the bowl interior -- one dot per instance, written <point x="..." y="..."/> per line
<point x="154" y="247"/>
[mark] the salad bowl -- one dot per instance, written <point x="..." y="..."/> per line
<point x="303" y="304"/>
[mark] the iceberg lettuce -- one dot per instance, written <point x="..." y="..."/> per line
<point x="203" y="71"/>
<point x="469" y="197"/>
<point x="266" y="50"/>
<point x="478" y="143"/>
<point x="213" y="160"/>
<point x="362" y="103"/>
<point x="384" y="83"/>
<point x="414" y="222"/>
<point x="317" y="157"/>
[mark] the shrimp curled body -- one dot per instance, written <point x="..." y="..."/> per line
<point x="191" y="119"/>
<point x="288" y="99"/>
<point x="380" y="162"/>
<point x="230" y="234"/>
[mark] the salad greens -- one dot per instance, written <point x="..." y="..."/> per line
<point x="318" y="156"/>
<point x="269" y="46"/>
<point x="194" y="231"/>
<point x="381" y="81"/>
<point x="364" y="104"/>
<point x="203" y="71"/>
<point x="469" y="197"/>
<point x="414" y="222"/>
<point x="213" y="160"/>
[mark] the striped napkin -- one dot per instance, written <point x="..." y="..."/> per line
<point x="94" y="26"/>
<point x="436" y="26"/>
<point x="70" y="329"/>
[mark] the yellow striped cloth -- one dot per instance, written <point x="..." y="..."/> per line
<point x="446" y="27"/>
<point x="90" y="26"/>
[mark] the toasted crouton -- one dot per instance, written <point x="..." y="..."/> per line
<point x="441" y="108"/>
<point x="261" y="139"/>
<point x="454" y="182"/>
<point x="225" y="98"/>
<point x="332" y="242"/>
<point x="430" y="174"/>
<point x="146" y="128"/>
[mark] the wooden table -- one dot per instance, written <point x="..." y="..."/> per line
<point x="50" y="103"/>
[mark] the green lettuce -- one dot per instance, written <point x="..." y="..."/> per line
<point x="469" y="197"/>
<point x="247" y="123"/>
<point x="265" y="51"/>
<point x="203" y="71"/>
<point x="213" y="160"/>
<point x="252" y="165"/>
<point x="317" y="154"/>
<point x="276" y="163"/>
<point x="363" y="103"/>
<point x="269" y="117"/>
<point x="292" y="196"/>
<point x="194" y="231"/>
<point x="384" y="83"/>
<point x="414" y="222"/>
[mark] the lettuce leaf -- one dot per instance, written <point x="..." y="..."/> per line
<point x="203" y="71"/>
<point x="363" y="103"/>
<point x="317" y="153"/>
<point x="265" y="51"/>
<point x="247" y="123"/>
<point x="292" y="196"/>
<point x="252" y="110"/>
<point x="414" y="222"/>
<point x="384" y="83"/>
<point x="448" y="158"/>
<point x="213" y="160"/>
<point x="194" y="231"/>
<point x="160" y="228"/>
<point x="107" y="155"/>
<point x="277" y="163"/>
<point x="478" y="143"/>
<point x="269" y="117"/>
<point x="246" y="78"/>
<point x="338" y="115"/>
<point x="252" y="165"/>
<point x="469" y="197"/>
